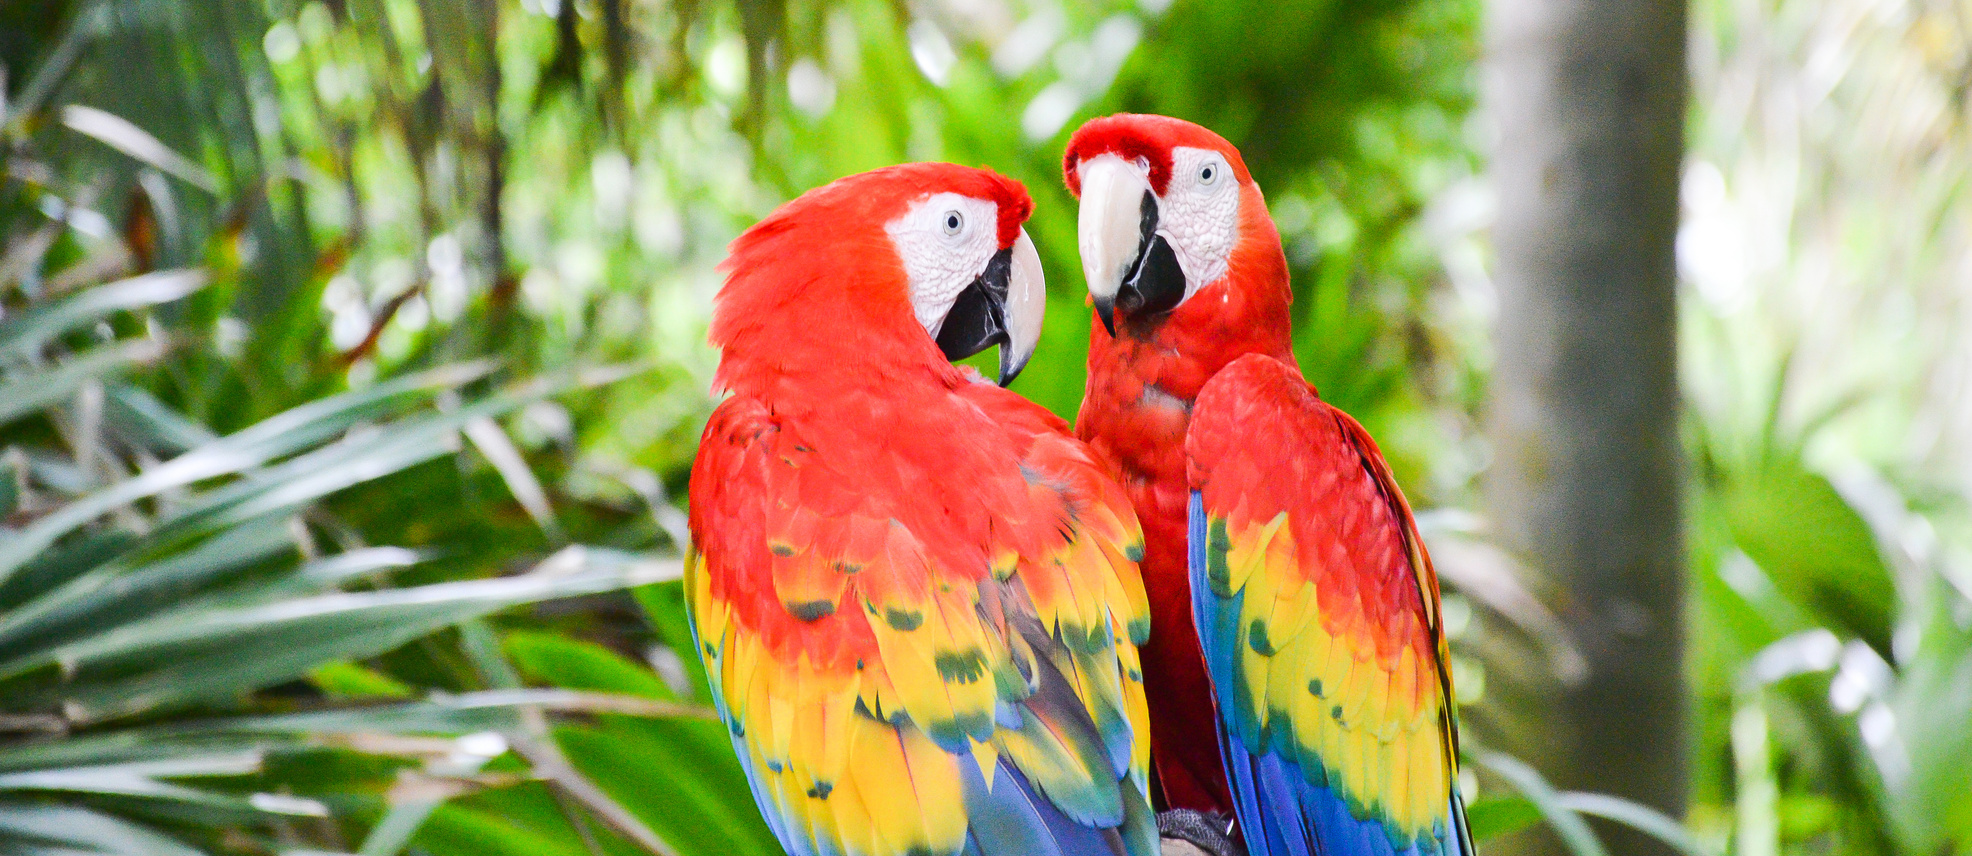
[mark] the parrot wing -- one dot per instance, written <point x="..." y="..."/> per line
<point x="905" y="675"/>
<point x="1318" y="614"/>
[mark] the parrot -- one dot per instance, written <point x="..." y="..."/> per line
<point x="915" y="593"/>
<point x="1298" y="676"/>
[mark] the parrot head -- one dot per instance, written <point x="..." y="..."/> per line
<point x="919" y="262"/>
<point x="1167" y="210"/>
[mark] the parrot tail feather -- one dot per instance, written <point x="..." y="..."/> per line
<point x="1009" y="818"/>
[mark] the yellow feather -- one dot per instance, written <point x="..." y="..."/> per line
<point x="851" y="813"/>
<point x="741" y="661"/>
<point x="1289" y="691"/>
<point x="966" y="643"/>
<point x="1429" y="786"/>
<point x="1378" y="716"/>
<point x="908" y="660"/>
<point x="709" y="616"/>
<point x="1256" y="608"/>
<point x="1111" y="571"/>
<point x="1312" y="721"/>
<point x="1402" y="806"/>
<point x="884" y="782"/>
<point x="1404" y="701"/>
<point x="1339" y="675"/>
<point x="1294" y="607"/>
<point x="1376" y="773"/>
<point x="1044" y="758"/>
<point x="1086" y="568"/>
<point x="838" y="713"/>
<point x="988" y="759"/>
<point x="1287" y="683"/>
<point x="1249" y="550"/>
<point x="934" y="780"/>
<point x="1358" y="763"/>
<point x="780" y="690"/>
<point x="1137" y="705"/>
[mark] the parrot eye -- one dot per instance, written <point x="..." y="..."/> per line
<point x="1208" y="173"/>
<point x="954" y="222"/>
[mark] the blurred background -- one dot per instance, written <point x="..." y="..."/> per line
<point x="352" y="362"/>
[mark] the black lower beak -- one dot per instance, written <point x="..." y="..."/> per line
<point x="1155" y="283"/>
<point x="978" y="318"/>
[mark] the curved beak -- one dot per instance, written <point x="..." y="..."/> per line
<point x="1027" y="307"/>
<point x="1128" y="265"/>
<point x="1004" y="306"/>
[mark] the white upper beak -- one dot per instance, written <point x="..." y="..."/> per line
<point x="1109" y="226"/>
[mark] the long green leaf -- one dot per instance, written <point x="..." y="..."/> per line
<point x="48" y="77"/>
<point x="353" y="725"/>
<point x="1494" y="817"/>
<point x="86" y="831"/>
<point x="178" y="658"/>
<point x="275" y="436"/>
<point x="139" y="418"/>
<point x="111" y="594"/>
<point x="1636" y="816"/>
<point x="489" y="710"/>
<point x="328" y="573"/>
<point x="24" y="334"/>
<point x="1574" y="832"/>
<point x="124" y="136"/>
<point x="31" y="392"/>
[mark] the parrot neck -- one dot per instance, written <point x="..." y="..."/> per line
<point x="826" y="342"/>
<point x="1168" y="361"/>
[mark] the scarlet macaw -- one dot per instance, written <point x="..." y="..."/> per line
<point x="1285" y="574"/>
<point x="915" y="593"/>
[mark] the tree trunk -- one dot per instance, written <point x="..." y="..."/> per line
<point x="1588" y="98"/>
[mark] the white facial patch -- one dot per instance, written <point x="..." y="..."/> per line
<point x="945" y="240"/>
<point x="1199" y="214"/>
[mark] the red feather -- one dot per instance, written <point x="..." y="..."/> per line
<point x="1138" y="135"/>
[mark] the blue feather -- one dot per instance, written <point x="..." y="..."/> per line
<point x="1005" y="818"/>
<point x="1012" y="819"/>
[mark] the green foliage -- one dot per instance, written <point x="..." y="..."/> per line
<point x="1824" y="251"/>
<point x="350" y="196"/>
<point x="282" y="281"/>
<point x="190" y="576"/>
<point x="151" y="588"/>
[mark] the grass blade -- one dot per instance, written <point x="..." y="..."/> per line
<point x="500" y="451"/>
<point x="86" y="830"/>
<point x="139" y="418"/>
<point x="1637" y="816"/>
<point x="178" y="657"/>
<point x="111" y="594"/>
<point x="284" y="433"/>
<point x="1573" y="831"/>
<point x="27" y="332"/>
<point x="124" y="136"/>
<point x="42" y="389"/>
